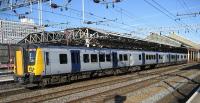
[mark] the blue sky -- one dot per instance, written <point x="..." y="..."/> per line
<point x="136" y="16"/>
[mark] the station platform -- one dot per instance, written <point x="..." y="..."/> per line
<point x="195" y="98"/>
<point x="6" y="78"/>
<point x="5" y="71"/>
<point x="6" y="75"/>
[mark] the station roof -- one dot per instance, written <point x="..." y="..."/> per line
<point x="162" y="39"/>
<point x="185" y="41"/>
<point x="92" y="37"/>
<point x="173" y="40"/>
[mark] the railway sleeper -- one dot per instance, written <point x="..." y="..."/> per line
<point x="66" y="78"/>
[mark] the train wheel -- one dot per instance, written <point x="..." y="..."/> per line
<point x="43" y="83"/>
<point x="116" y="72"/>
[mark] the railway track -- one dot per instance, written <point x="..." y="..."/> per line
<point x="12" y="88"/>
<point x="44" y="95"/>
<point x="106" y="92"/>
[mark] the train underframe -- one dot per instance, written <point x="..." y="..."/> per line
<point x="32" y="80"/>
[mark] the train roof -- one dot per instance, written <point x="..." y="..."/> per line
<point x="80" y="47"/>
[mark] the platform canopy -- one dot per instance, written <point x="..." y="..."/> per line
<point x="184" y="41"/>
<point x="92" y="37"/>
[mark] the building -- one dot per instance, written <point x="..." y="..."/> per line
<point x="12" y="32"/>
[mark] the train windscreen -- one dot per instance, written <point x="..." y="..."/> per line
<point x="32" y="55"/>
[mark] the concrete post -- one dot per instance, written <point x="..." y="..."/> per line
<point x="188" y="55"/>
<point x="198" y="55"/>
<point x="193" y="55"/>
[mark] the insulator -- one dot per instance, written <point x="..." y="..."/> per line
<point x="66" y="8"/>
<point x="88" y="22"/>
<point x="26" y="13"/>
<point x="53" y="5"/>
<point x="96" y="1"/>
<point x="69" y="1"/>
<point x="106" y="6"/>
<point x="14" y="11"/>
<point x="117" y="1"/>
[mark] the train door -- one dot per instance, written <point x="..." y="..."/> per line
<point x="47" y="63"/>
<point x="75" y="59"/>
<point x="169" y="57"/>
<point x="143" y="58"/>
<point x="114" y="59"/>
<point x="157" y="58"/>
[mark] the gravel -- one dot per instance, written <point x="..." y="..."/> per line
<point x="168" y="90"/>
<point x="157" y="96"/>
<point x="76" y="95"/>
<point x="91" y="92"/>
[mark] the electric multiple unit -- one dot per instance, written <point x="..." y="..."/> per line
<point x="48" y="64"/>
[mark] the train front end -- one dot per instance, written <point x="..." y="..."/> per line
<point x="29" y="65"/>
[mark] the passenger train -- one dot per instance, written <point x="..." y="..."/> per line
<point x="49" y="64"/>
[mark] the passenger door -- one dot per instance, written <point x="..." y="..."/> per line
<point x="75" y="59"/>
<point x="143" y="58"/>
<point x="47" y="63"/>
<point x="157" y="58"/>
<point x="114" y="59"/>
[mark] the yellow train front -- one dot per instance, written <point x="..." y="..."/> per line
<point x="29" y="65"/>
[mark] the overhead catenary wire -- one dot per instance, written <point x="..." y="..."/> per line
<point x="92" y="14"/>
<point x="164" y="9"/>
<point x="104" y="18"/>
<point x="80" y="19"/>
<point x="157" y="8"/>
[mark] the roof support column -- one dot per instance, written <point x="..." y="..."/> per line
<point x="193" y="55"/>
<point x="198" y="55"/>
<point x="188" y="55"/>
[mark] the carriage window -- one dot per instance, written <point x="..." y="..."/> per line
<point x="147" y="57"/>
<point x="63" y="58"/>
<point x="86" y="58"/>
<point x="108" y="57"/>
<point x="47" y="58"/>
<point x="101" y="57"/>
<point x="140" y="57"/>
<point x="93" y="57"/>
<point x="125" y="57"/>
<point x="120" y="57"/>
